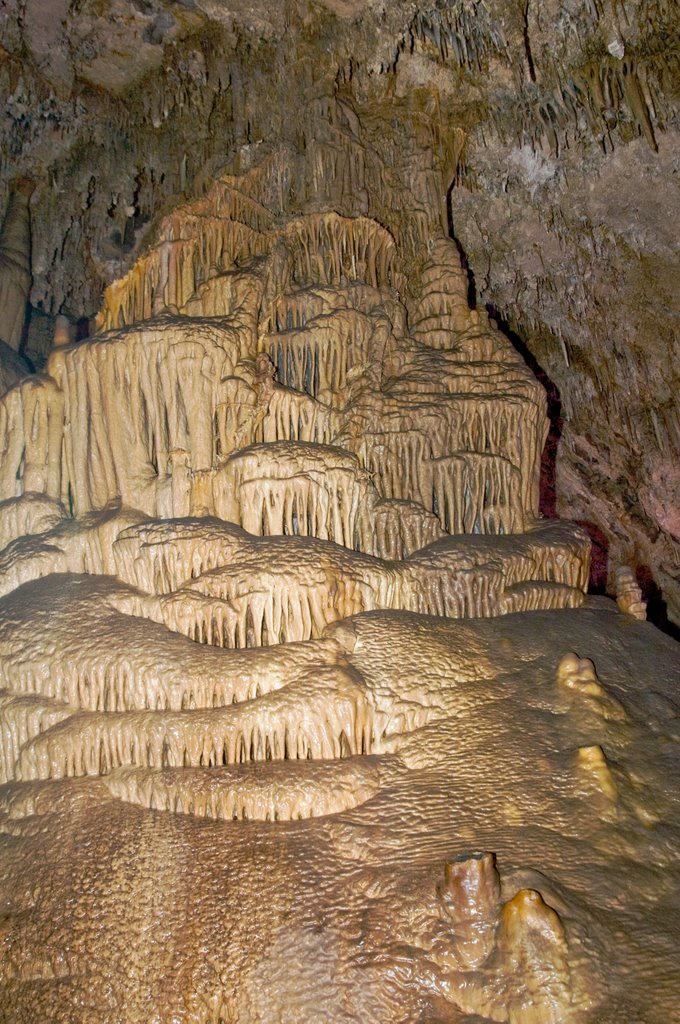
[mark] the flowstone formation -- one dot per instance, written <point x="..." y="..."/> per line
<point x="276" y="743"/>
<point x="552" y="127"/>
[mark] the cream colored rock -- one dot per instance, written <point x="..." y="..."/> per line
<point x="27" y="515"/>
<point x="533" y="944"/>
<point x="593" y="762"/>
<point x="230" y="332"/>
<point x="629" y="595"/>
<point x="578" y="675"/>
<point x="278" y="632"/>
<point x="471" y="896"/>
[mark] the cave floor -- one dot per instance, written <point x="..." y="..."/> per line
<point x="113" y="911"/>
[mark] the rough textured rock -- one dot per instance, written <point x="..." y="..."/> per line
<point x="12" y="368"/>
<point x="162" y="857"/>
<point x="292" y="725"/>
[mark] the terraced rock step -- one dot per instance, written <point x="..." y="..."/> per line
<point x="263" y="792"/>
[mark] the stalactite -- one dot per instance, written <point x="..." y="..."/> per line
<point x="336" y="713"/>
<point x="266" y="793"/>
<point x="30" y="438"/>
<point x="295" y="489"/>
<point x="316" y="305"/>
<point x="15" y="263"/>
<point x="28" y="514"/>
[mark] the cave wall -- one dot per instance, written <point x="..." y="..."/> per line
<point x="543" y="137"/>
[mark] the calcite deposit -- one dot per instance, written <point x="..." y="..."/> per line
<point x="305" y="711"/>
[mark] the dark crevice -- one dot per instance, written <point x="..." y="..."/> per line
<point x="548" y="492"/>
<point x="472" y="287"/>
<point x="599" y="557"/>
<point x="548" y="496"/>
<point x="527" y="43"/>
<point x="657" y="610"/>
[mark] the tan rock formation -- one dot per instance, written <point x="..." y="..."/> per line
<point x="279" y="625"/>
<point x="628" y="593"/>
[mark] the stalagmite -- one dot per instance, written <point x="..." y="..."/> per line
<point x="62" y="332"/>
<point x="629" y="595"/>
<point x="318" y="300"/>
<point x="533" y="943"/>
<point x="593" y="762"/>
<point x="471" y="897"/>
<point x="578" y="675"/>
